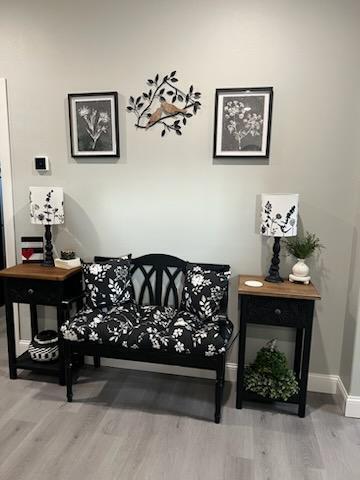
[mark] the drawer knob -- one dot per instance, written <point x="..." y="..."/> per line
<point x="31" y="291"/>
<point x="277" y="311"/>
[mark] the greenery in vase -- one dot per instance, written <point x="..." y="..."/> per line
<point x="269" y="375"/>
<point x="303" y="247"/>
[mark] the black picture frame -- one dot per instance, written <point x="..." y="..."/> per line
<point x="94" y="124"/>
<point x="242" y="126"/>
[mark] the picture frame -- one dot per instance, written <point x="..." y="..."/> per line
<point x="242" y="122"/>
<point x="94" y="124"/>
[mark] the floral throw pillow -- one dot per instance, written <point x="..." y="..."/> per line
<point x="203" y="291"/>
<point x="107" y="283"/>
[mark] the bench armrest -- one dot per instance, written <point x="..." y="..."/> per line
<point x="222" y="320"/>
<point x="69" y="301"/>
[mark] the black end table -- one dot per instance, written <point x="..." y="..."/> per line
<point x="282" y="304"/>
<point x="34" y="284"/>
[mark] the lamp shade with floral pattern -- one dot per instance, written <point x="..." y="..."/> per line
<point x="47" y="205"/>
<point x="279" y="214"/>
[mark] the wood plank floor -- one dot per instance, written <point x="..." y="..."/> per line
<point x="128" y="425"/>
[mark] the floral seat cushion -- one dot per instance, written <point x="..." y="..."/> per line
<point x="149" y="328"/>
<point x="101" y="325"/>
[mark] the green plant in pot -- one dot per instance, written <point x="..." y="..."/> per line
<point x="269" y="375"/>
<point x="302" y="247"/>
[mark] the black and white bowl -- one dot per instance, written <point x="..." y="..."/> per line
<point x="45" y="346"/>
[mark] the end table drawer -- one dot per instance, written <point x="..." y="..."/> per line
<point x="275" y="311"/>
<point x="33" y="291"/>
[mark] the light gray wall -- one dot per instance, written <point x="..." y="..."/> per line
<point x="350" y="358"/>
<point x="351" y="325"/>
<point x="169" y="195"/>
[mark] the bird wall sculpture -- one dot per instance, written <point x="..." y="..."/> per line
<point x="171" y="108"/>
<point x="154" y="117"/>
<point x="164" y="105"/>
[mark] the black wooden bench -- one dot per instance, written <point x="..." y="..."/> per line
<point x="157" y="280"/>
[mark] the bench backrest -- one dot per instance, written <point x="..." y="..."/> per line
<point x="158" y="279"/>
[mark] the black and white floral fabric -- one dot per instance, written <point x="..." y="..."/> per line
<point x="151" y="328"/>
<point x="203" y="291"/>
<point x="107" y="283"/>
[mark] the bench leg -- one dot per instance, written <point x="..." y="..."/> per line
<point x="219" y="388"/>
<point x="97" y="361"/>
<point x="68" y="371"/>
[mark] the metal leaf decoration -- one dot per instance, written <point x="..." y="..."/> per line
<point x="164" y="105"/>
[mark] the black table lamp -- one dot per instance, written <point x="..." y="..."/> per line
<point x="47" y="208"/>
<point x="279" y="213"/>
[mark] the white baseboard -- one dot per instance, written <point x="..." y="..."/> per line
<point x="158" y="368"/>
<point x="352" y="408"/>
<point x="318" y="382"/>
<point x="341" y="395"/>
<point x="321" y="383"/>
<point x="350" y="404"/>
<point x="22" y="346"/>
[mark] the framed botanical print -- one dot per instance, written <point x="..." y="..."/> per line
<point x="94" y="124"/>
<point x="242" y="122"/>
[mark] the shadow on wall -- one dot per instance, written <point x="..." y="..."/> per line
<point x="319" y="274"/>
<point x="331" y="279"/>
<point x="80" y="236"/>
<point x="241" y="161"/>
<point x="78" y="225"/>
<point x="352" y="307"/>
<point x="79" y="232"/>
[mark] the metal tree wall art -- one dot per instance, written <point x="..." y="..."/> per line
<point x="164" y="105"/>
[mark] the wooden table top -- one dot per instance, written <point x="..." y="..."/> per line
<point x="36" y="271"/>
<point x="286" y="289"/>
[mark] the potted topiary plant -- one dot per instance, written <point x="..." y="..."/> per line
<point x="269" y="375"/>
<point x="302" y="247"/>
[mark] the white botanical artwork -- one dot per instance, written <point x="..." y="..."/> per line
<point x="95" y="123"/>
<point x="242" y="122"/>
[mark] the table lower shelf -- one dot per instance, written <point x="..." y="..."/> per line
<point x="254" y="397"/>
<point x="25" y="362"/>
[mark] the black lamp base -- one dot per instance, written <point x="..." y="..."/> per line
<point x="275" y="279"/>
<point x="274" y="276"/>
<point x="48" y="254"/>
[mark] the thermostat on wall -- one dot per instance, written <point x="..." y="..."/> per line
<point x="41" y="164"/>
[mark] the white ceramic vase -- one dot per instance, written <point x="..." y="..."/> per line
<point x="300" y="269"/>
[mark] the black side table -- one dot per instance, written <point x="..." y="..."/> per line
<point x="34" y="284"/>
<point x="282" y="304"/>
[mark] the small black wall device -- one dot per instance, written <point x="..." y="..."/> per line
<point x="41" y="164"/>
